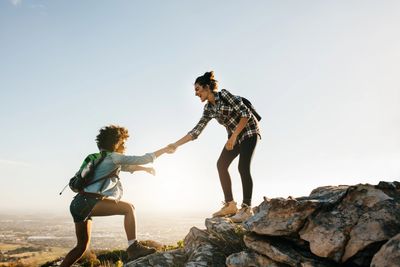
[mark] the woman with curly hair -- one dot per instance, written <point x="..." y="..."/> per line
<point x="101" y="197"/>
<point x="243" y="132"/>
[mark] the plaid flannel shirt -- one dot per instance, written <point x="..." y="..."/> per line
<point x="228" y="112"/>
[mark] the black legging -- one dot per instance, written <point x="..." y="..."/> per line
<point x="245" y="149"/>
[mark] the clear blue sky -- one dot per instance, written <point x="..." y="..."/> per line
<point x="323" y="74"/>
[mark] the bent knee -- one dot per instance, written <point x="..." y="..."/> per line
<point x="82" y="247"/>
<point x="128" y="207"/>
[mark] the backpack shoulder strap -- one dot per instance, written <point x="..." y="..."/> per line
<point x="91" y="157"/>
<point x="103" y="155"/>
<point x="246" y="102"/>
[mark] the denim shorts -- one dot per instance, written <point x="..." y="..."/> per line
<point x="81" y="207"/>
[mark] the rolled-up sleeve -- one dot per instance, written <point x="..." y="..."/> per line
<point x="236" y="103"/>
<point x="120" y="159"/>
<point x="200" y="126"/>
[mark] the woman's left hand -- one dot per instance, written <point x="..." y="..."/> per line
<point x="231" y="142"/>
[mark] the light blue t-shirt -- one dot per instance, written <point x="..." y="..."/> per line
<point x="115" y="162"/>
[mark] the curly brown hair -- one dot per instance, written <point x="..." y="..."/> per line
<point x="110" y="137"/>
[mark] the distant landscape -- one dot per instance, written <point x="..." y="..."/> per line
<point x="31" y="240"/>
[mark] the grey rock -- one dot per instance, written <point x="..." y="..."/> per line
<point x="388" y="185"/>
<point x="372" y="227"/>
<point x="201" y="248"/>
<point x="365" y="215"/>
<point x="389" y="254"/>
<point x="226" y="234"/>
<point x="251" y="259"/>
<point x="169" y="258"/>
<point x="281" y="217"/>
<point x="283" y="251"/>
<point x="329" y="195"/>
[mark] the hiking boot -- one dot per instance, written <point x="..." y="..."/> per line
<point x="137" y="250"/>
<point x="243" y="214"/>
<point x="229" y="208"/>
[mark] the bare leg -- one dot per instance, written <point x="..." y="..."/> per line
<point x="82" y="230"/>
<point x="107" y="207"/>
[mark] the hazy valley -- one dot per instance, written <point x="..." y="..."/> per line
<point x="35" y="239"/>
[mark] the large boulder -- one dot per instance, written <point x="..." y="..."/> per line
<point x="281" y="217"/>
<point x="365" y="215"/>
<point x="389" y="254"/>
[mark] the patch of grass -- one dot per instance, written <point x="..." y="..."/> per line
<point x="114" y="258"/>
<point x="178" y="245"/>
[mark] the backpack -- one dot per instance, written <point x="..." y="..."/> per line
<point x="247" y="104"/>
<point x="85" y="174"/>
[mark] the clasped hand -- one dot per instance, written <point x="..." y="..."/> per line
<point x="171" y="148"/>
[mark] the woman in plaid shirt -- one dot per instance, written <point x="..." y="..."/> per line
<point x="243" y="132"/>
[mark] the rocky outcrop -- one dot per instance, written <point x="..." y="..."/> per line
<point x="334" y="226"/>
<point x="208" y="247"/>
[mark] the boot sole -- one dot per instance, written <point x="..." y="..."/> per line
<point x="225" y="215"/>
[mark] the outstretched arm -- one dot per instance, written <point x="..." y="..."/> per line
<point x="182" y="141"/>
<point x="167" y="149"/>
<point x="193" y="134"/>
<point x="121" y="159"/>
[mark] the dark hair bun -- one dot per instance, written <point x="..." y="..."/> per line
<point x="208" y="79"/>
<point x="209" y="75"/>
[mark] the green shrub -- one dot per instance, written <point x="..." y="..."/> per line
<point x="178" y="245"/>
